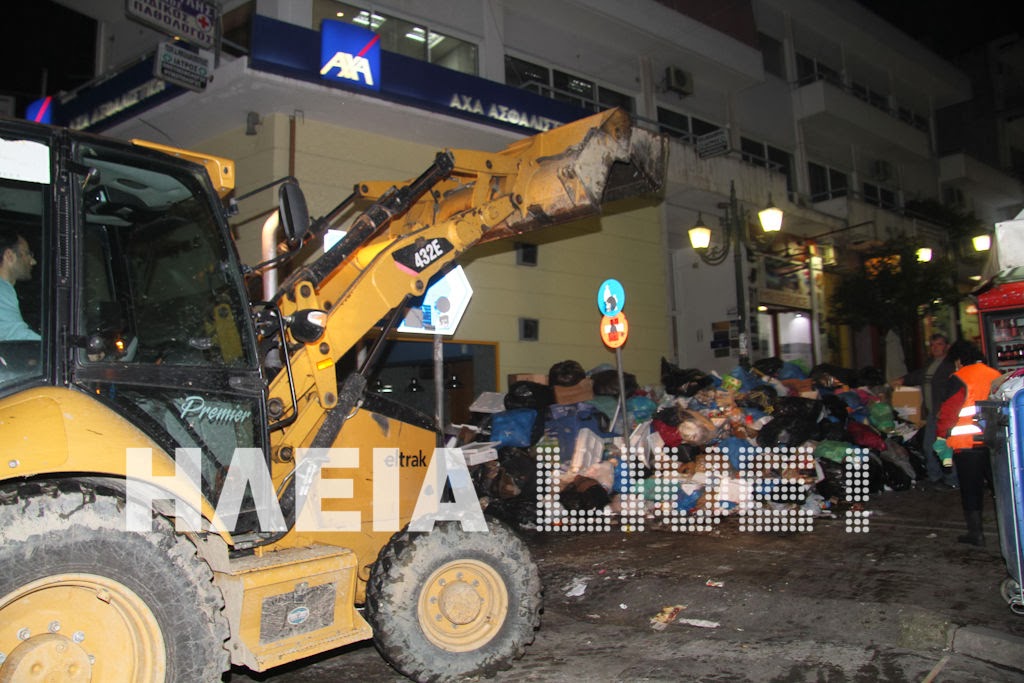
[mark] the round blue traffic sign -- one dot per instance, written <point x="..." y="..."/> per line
<point x="611" y="297"/>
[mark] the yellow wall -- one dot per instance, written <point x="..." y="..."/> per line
<point x="561" y="291"/>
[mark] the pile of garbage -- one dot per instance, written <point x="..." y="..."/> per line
<point x="770" y="435"/>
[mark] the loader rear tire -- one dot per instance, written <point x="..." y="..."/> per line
<point x="82" y="598"/>
<point x="449" y="604"/>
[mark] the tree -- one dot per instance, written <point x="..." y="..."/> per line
<point x="892" y="290"/>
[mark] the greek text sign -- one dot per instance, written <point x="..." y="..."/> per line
<point x="194" y="21"/>
<point x="181" y="67"/>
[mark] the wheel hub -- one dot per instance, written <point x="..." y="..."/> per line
<point x="47" y="657"/>
<point x="460" y="603"/>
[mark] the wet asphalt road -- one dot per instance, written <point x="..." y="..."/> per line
<point x="821" y="605"/>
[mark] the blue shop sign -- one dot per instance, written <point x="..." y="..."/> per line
<point x="350" y="54"/>
<point x="336" y="60"/>
<point x="41" y="111"/>
<point x="290" y="51"/>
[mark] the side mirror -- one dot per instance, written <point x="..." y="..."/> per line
<point x="291" y="204"/>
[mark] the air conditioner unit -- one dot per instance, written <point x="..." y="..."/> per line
<point x="678" y="81"/>
<point x="881" y="170"/>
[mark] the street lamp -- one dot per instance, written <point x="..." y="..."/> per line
<point x="700" y="240"/>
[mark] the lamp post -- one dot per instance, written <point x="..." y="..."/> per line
<point x="735" y="240"/>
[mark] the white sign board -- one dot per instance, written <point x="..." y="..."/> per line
<point x="713" y="144"/>
<point x="442" y="307"/>
<point x="182" y="67"/>
<point x="194" y="21"/>
<point x="1010" y="242"/>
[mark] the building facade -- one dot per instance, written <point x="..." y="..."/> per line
<point x="820" y="108"/>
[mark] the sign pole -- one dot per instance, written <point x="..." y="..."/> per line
<point x="614" y="328"/>
<point x="626" y="426"/>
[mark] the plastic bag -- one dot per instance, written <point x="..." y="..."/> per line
<point x="566" y="373"/>
<point x="882" y="417"/>
<point x="606" y="383"/>
<point x="836" y="451"/>
<point x="683" y="382"/>
<point x="527" y="394"/>
<point x="514" y="427"/>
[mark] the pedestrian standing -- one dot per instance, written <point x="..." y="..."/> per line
<point x="970" y="382"/>
<point x="932" y="379"/>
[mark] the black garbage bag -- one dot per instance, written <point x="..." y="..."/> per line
<point x="834" y="483"/>
<point x="836" y="407"/>
<point x="828" y="375"/>
<point x="606" y="383"/>
<point x="798" y="407"/>
<point x="519" y="512"/>
<point x="787" y="430"/>
<point x="584" y="493"/>
<point x="683" y="381"/>
<point x="521" y="468"/>
<point x="566" y="373"/>
<point x="526" y="394"/>
<point x="870" y="376"/>
<point x="915" y="448"/>
<point x="768" y="366"/>
<point x="829" y="430"/>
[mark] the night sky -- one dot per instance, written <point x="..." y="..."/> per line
<point x="53" y="45"/>
<point x="948" y="27"/>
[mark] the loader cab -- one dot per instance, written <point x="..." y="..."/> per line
<point x="138" y="274"/>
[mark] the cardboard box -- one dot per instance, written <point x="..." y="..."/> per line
<point x="583" y="391"/>
<point x="906" y="401"/>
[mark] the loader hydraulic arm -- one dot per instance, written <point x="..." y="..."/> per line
<point x="410" y="234"/>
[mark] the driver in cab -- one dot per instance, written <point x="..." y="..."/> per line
<point x="16" y="263"/>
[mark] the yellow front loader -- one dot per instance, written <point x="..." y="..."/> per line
<point x="192" y="479"/>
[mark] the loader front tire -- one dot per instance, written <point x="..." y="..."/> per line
<point x="82" y="598"/>
<point x="449" y="604"/>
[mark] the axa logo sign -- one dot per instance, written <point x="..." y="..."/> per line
<point x="350" y="54"/>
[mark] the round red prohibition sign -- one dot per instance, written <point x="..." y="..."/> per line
<point x="614" y="330"/>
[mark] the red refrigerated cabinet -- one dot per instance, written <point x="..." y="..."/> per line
<point x="1001" y="308"/>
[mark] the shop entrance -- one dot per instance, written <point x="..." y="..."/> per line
<point x="786" y="334"/>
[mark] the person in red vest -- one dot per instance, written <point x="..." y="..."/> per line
<point x="970" y="382"/>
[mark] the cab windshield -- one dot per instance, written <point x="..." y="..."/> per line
<point x="157" y="273"/>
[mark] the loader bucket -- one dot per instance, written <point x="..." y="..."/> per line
<point x="596" y="160"/>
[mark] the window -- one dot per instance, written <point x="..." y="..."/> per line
<point x="761" y="154"/>
<point x="563" y="86"/>
<point x="880" y="196"/>
<point x="23" y="218"/>
<point x="826" y="183"/>
<point x="772" y="55"/>
<point x="674" y="124"/>
<point x="404" y="37"/>
<point x="687" y="128"/>
<point x="809" y="70"/>
<point x="520" y="73"/>
<point x="526" y="254"/>
<point x="529" y="329"/>
<point x="156" y="271"/>
<point x="753" y="152"/>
